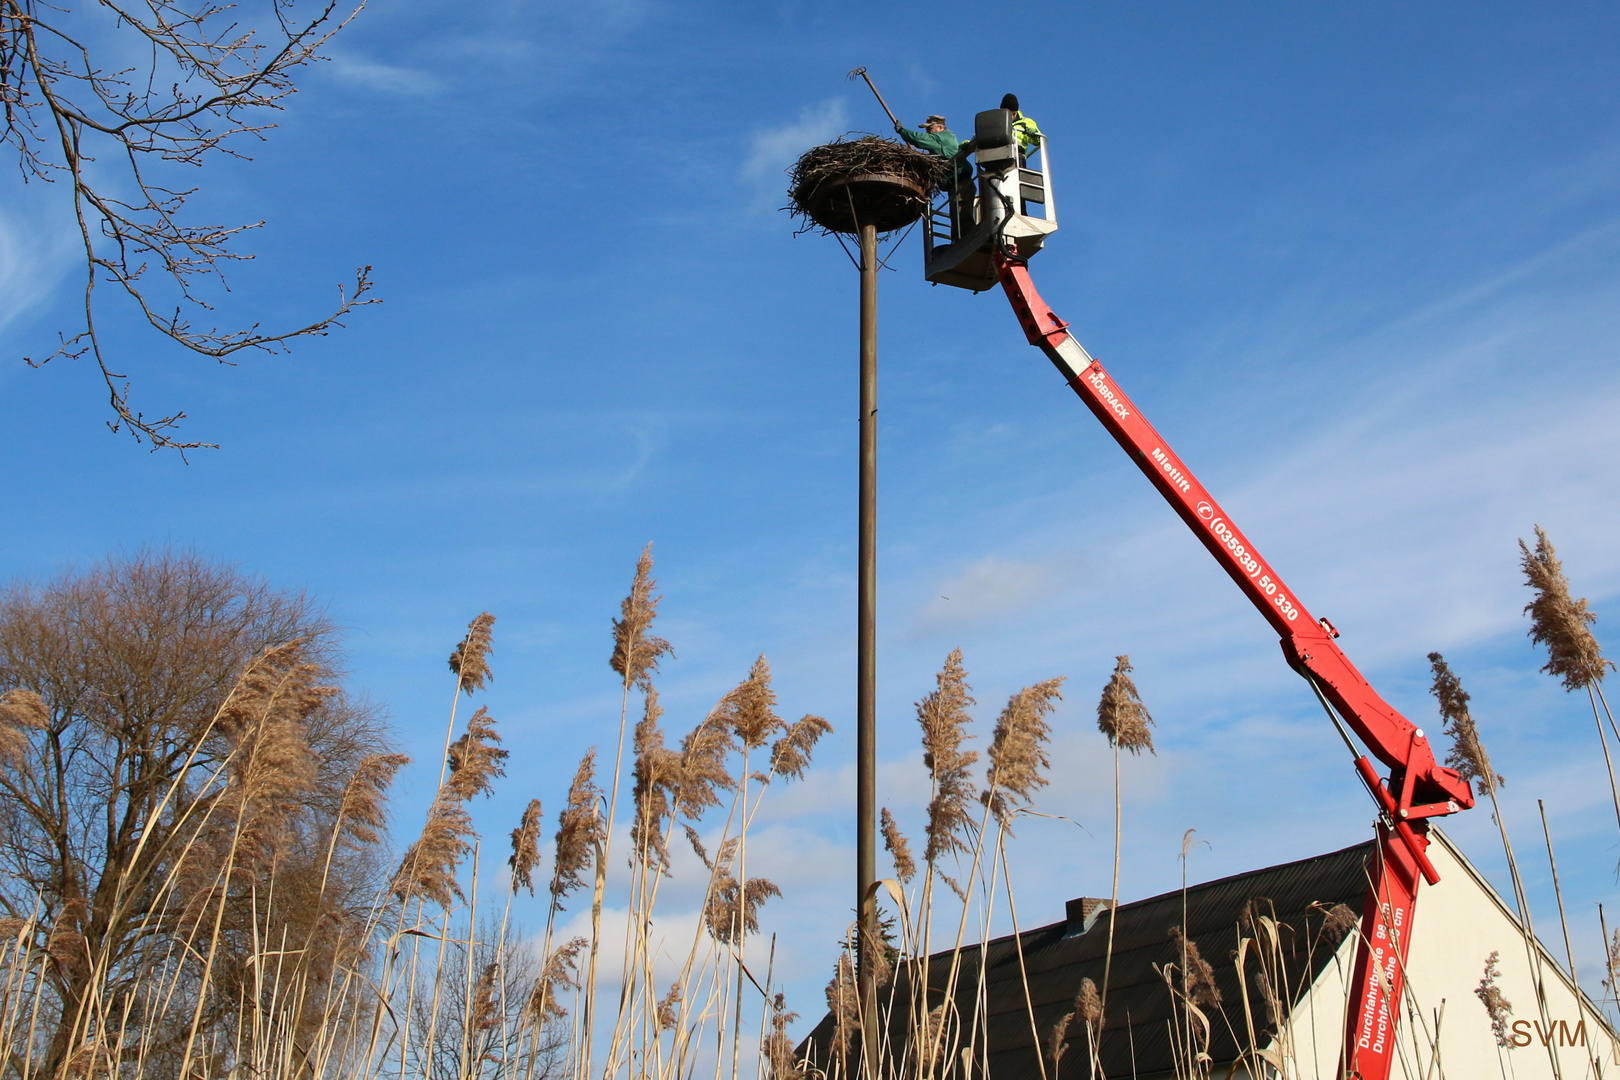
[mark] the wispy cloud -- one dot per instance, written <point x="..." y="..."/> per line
<point x="381" y="77"/>
<point x="34" y="258"/>
<point x="994" y="588"/>
<point x="774" y="149"/>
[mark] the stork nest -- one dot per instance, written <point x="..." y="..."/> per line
<point x="864" y="179"/>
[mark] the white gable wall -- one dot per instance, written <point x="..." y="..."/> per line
<point x="1458" y="923"/>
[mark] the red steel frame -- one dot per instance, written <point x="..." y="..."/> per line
<point x="1418" y="787"/>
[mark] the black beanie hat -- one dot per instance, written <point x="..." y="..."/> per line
<point x="1010" y="101"/>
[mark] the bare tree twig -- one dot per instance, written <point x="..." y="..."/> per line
<point x="207" y="82"/>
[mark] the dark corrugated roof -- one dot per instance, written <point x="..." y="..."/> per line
<point x="1139" y="1003"/>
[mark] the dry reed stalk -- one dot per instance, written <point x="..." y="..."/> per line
<point x="944" y="719"/>
<point x="1023" y="970"/>
<point x="1017" y="758"/>
<point x="1552" y="862"/>
<point x="579" y="829"/>
<point x="1124" y="719"/>
<point x="469" y="662"/>
<point x="749" y="712"/>
<point x="842" y="1003"/>
<point x="1563" y="623"/>
<point x="1469" y="753"/>
<point x="778" y="1049"/>
<point x="669" y="785"/>
<point x="635" y="657"/>
<point x="428" y="869"/>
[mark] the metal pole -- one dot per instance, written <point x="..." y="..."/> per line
<point x="866" y="659"/>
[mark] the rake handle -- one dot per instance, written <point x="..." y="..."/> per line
<point x="862" y="73"/>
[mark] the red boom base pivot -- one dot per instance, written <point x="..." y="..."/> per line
<point x="1418" y="787"/>
<point x="1379" y="974"/>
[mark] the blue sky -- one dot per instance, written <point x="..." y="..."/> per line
<point x="1358" y="263"/>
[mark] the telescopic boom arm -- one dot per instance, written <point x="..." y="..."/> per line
<point x="1418" y="787"/>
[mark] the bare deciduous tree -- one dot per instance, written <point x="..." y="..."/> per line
<point x="192" y="797"/>
<point x="115" y="99"/>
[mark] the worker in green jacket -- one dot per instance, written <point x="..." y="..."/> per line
<point x="937" y="139"/>
<point x="1027" y="131"/>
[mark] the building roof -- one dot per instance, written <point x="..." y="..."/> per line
<point x="1137" y="1036"/>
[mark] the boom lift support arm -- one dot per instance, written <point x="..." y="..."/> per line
<point x="1418" y="787"/>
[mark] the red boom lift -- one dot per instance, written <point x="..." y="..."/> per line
<point x="984" y="237"/>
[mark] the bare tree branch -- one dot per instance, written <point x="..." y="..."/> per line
<point x="207" y="82"/>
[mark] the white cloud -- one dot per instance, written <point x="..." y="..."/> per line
<point x="34" y="258"/>
<point x="385" y="78"/>
<point x="774" y="149"/>
<point x="996" y="588"/>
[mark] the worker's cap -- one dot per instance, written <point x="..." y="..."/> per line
<point x="934" y="119"/>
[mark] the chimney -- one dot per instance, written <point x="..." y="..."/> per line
<point x="1082" y="912"/>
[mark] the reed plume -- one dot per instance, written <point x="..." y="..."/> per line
<point x="905" y="868"/>
<point x="698" y="849"/>
<point x="1197" y="977"/>
<point x="556" y="975"/>
<point x="1448" y="690"/>
<point x="428" y="869"/>
<point x="21" y="711"/>
<point x="843" y="1002"/>
<point x="483" y="1014"/>
<point x="1467" y="754"/>
<point x="1120" y="713"/>
<point x="657" y="772"/>
<point x="470" y="660"/>
<point x="669" y="1007"/>
<point x="1611" y="957"/>
<point x="579" y="830"/>
<point x="1337" y="922"/>
<point x="362" y="814"/>
<point x="1497" y="1006"/>
<point x="731" y="910"/>
<point x="1018" y="749"/>
<point x="1088" y="1004"/>
<point x="635" y="651"/>
<point x="944" y="719"/>
<point x="1056" y="1046"/>
<point x="748" y="709"/>
<point x="475" y="759"/>
<point x="790" y="754"/>
<point x="269" y="766"/>
<point x="1559" y="621"/>
<point x="728" y="915"/>
<point x="526" y="848"/>
<point x="778" y="1049"/>
<point x="703" y="773"/>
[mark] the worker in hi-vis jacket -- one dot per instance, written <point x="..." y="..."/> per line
<point x="1028" y="132"/>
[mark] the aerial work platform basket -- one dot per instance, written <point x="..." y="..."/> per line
<point x="1006" y="199"/>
